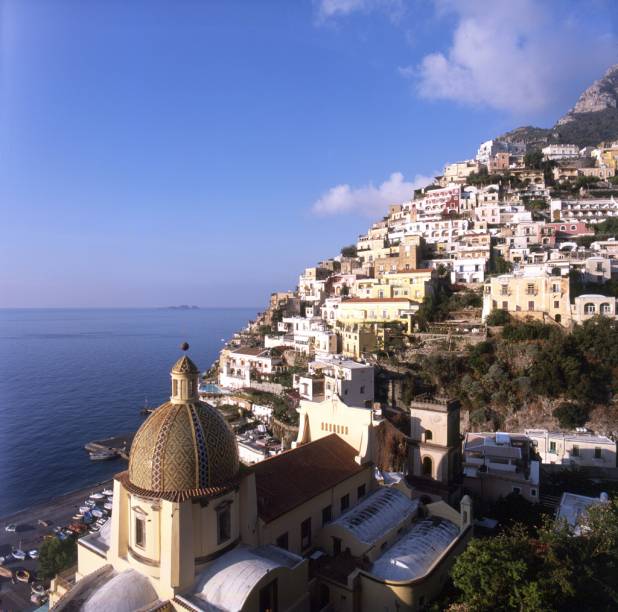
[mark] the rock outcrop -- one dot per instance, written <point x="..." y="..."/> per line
<point x="602" y="94"/>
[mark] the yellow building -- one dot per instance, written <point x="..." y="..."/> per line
<point x="413" y="284"/>
<point x="375" y="310"/>
<point x="404" y="257"/>
<point x="193" y="530"/>
<point x="537" y="295"/>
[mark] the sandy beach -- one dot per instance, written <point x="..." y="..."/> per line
<point x="30" y="533"/>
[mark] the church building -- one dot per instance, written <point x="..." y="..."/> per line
<point x="194" y="529"/>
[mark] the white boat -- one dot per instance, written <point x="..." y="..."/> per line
<point x="108" y="506"/>
<point x="94" y="529"/>
<point x="101" y="522"/>
<point x="107" y="492"/>
<point x="11" y="527"/>
<point x="84" y="509"/>
<point x="33" y="554"/>
<point x="97" y="512"/>
<point x="103" y="455"/>
<point x="90" y="503"/>
<point x="19" y="554"/>
<point x="3" y="559"/>
<point x="96" y="496"/>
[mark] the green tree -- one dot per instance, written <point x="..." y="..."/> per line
<point x="571" y="415"/>
<point x="499" y="265"/>
<point x="349" y="251"/>
<point x="558" y="568"/>
<point x="498" y="317"/>
<point x="499" y="574"/>
<point x="534" y="160"/>
<point x="57" y="555"/>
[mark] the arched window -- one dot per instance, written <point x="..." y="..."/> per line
<point x="606" y="308"/>
<point x="175" y="387"/>
<point x="428" y="435"/>
<point x="589" y="308"/>
<point x="427" y="466"/>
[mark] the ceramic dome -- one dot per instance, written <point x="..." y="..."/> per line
<point x="185" y="444"/>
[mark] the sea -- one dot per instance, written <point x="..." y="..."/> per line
<point x="68" y="377"/>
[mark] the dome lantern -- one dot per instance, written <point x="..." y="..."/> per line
<point x="185" y="379"/>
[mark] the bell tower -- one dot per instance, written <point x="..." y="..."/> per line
<point x="435" y="452"/>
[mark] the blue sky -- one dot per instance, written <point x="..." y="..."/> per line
<point x="164" y="152"/>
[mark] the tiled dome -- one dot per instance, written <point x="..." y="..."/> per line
<point x="183" y="447"/>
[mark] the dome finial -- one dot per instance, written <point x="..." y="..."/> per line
<point x="184" y="346"/>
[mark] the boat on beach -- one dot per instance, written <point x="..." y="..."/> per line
<point x="96" y="496"/>
<point x="103" y="455"/>
<point x="107" y="492"/>
<point x="84" y="509"/>
<point x="108" y="506"/>
<point x="19" y="554"/>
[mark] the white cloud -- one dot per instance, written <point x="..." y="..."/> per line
<point x="329" y="9"/>
<point x="369" y="200"/>
<point x="516" y="56"/>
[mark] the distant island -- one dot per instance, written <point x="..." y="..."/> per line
<point x="182" y="307"/>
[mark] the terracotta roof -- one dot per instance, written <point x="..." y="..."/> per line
<point x="248" y="350"/>
<point x="286" y="481"/>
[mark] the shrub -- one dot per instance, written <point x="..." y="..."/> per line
<point x="498" y="317"/>
<point x="349" y="251"/>
<point x="571" y="415"/>
<point x="57" y="555"/>
<point x="533" y="330"/>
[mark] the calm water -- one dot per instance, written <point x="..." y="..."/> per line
<point x="71" y="376"/>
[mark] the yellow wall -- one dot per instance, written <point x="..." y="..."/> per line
<point x="516" y="293"/>
<point x="291" y="521"/>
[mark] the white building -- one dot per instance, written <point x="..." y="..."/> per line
<point x="591" y="305"/>
<point x="349" y="380"/>
<point x="557" y="152"/>
<point x="498" y="464"/>
<point x="580" y="448"/>
<point x="573" y="509"/>
<point x="489" y="148"/>
<point x="307" y="335"/>
<point x="239" y="367"/>
<point x="463" y="270"/>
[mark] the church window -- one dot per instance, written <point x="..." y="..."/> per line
<point x="282" y="541"/>
<point x="140" y="532"/>
<point x="305" y="534"/>
<point x="427" y="466"/>
<point x="428" y="435"/>
<point x="268" y="597"/>
<point x="224" y="523"/>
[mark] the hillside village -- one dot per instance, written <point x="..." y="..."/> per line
<point x="465" y="346"/>
<point x="511" y="235"/>
<point x="427" y="422"/>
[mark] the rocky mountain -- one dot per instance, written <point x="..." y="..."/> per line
<point x="594" y="118"/>
<point x="601" y="95"/>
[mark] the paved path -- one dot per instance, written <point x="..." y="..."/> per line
<point x="29" y="535"/>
